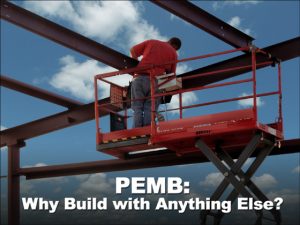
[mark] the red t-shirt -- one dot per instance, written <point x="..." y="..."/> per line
<point x="156" y="52"/>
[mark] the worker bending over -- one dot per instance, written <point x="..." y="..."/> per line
<point x="154" y="52"/>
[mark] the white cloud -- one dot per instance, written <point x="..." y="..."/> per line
<point x="173" y="17"/>
<point x="236" y="22"/>
<point x="77" y="78"/>
<point x="188" y="98"/>
<point x="265" y="181"/>
<point x="96" y="184"/>
<point x="82" y="177"/>
<point x="220" y="4"/>
<point x="212" y="180"/>
<point x="143" y="31"/>
<point x="249" y="161"/>
<point x="244" y="2"/>
<point x="296" y="169"/>
<point x="289" y="196"/>
<point x="120" y="22"/>
<point x="249" y="101"/>
<point x="182" y="68"/>
<point x="40" y="165"/>
<point x="106" y="21"/>
<point x="30" y="187"/>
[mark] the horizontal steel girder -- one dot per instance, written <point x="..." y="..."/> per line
<point x="38" y="92"/>
<point x="166" y="158"/>
<point x="283" y="51"/>
<point x="64" y="36"/>
<point x="55" y="122"/>
<point x="205" y="21"/>
<point x="86" y="112"/>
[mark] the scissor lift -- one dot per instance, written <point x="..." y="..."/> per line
<point x="213" y="135"/>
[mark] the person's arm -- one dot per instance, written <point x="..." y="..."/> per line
<point x="133" y="54"/>
<point x="138" y="50"/>
<point x="173" y="66"/>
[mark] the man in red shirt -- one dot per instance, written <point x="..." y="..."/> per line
<point x="154" y="52"/>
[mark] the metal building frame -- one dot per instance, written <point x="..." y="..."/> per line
<point x="77" y="112"/>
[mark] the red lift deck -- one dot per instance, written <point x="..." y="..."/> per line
<point x="231" y="129"/>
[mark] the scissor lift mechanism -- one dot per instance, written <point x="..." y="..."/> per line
<point x="214" y="135"/>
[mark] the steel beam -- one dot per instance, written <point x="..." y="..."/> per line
<point x="205" y="21"/>
<point x="284" y="51"/>
<point x="55" y="122"/>
<point x="167" y="158"/>
<point x="86" y="112"/>
<point x="38" y="92"/>
<point x="64" y="36"/>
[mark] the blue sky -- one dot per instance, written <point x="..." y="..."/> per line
<point x="38" y="61"/>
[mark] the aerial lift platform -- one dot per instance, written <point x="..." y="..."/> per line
<point x="213" y="135"/>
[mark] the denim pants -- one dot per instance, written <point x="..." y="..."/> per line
<point x="140" y="88"/>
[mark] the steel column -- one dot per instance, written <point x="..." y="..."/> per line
<point x="13" y="184"/>
<point x="205" y="21"/>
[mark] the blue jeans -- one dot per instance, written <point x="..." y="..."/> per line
<point x="140" y="88"/>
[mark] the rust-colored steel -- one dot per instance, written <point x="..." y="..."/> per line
<point x="284" y="51"/>
<point x="83" y="113"/>
<point x="13" y="185"/>
<point x="205" y="21"/>
<point x="64" y="36"/>
<point x="55" y="122"/>
<point x="162" y="158"/>
<point x="38" y="92"/>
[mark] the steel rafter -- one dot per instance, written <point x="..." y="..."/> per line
<point x="64" y="36"/>
<point x="282" y="51"/>
<point x="165" y="158"/>
<point x="205" y="21"/>
<point x="55" y="122"/>
<point x="38" y="92"/>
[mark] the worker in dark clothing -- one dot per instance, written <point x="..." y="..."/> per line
<point x="154" y="52"/>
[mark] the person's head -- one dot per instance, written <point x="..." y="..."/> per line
<point x="175" y="42"/>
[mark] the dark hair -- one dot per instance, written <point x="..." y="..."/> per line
<point x="175" y="42"/>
